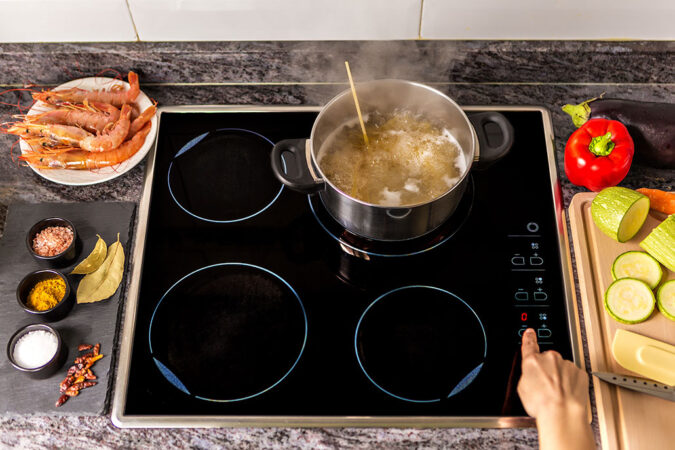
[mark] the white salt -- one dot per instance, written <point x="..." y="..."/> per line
<point x="35" y="349"/>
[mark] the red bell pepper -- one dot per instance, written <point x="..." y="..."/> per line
<point x="598" y="154"/>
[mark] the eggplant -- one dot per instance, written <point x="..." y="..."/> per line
<point x="650" y="124"/>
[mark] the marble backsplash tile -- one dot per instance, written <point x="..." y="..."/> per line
<point x="323" y="61"/>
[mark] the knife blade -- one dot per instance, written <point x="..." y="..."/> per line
<point x="643" y="385"/>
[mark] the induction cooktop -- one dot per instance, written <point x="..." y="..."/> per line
<point x="249" y="305"/>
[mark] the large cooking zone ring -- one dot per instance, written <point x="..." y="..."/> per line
<point x="228" y="332"/>
<point x="224" y="176"/>
<point x="420" y="344"/>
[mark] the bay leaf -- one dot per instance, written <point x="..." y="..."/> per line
<point x="104" y="281"/>
<point x="94" y="260"/>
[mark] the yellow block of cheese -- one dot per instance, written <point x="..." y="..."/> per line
<point x="646" y="356"/>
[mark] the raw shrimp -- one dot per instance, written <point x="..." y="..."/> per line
<point x="83" y="160"/>
<point x="112" y="138"/>
<point x="63" y="134"/>
<point x="94" y="118"/>
<point x="77" y="137"/>
<point x="141" y="120"/>
<point x="77" y="95"/>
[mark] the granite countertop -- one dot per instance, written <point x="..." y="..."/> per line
<point x="309" y="73"/>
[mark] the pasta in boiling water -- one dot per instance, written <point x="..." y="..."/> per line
<point x="408" y="160"/>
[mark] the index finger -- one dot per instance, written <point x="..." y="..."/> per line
<point x="529" y="346"/>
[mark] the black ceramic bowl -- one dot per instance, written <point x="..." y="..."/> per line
<point x="59" y="311"/>
<point x="51" y="366"/>
<point x="65" y="257"/>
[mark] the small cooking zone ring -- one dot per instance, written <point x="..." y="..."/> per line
<point x="420" y="344"/>
<point x="230" y="166"/>
<point x="228" y="332"/>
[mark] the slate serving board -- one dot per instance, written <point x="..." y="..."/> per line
<point x="86" y="323"/>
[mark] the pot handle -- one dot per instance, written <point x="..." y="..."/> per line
<point x="489" y="154"/>
<point x="300" y="176"/>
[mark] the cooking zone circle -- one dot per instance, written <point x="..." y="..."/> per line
<point x="358" y="246"/>
<point x="228" y="332"/>
<point x="420" y="344"/>
<point x="224" y="176"/>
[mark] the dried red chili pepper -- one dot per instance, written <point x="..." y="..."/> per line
<point x="599" y="154"/>
<point x="79" y="375"/>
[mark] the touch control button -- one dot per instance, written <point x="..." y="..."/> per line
<point x="536" y="261"/>
<point x="518" y="260"/>
<point x="540" y="296"/>
<point x="544" y="332"/>
<point x="522" y="296"/>
<point x="532" y="227"/>
<point x="521" y="331"/>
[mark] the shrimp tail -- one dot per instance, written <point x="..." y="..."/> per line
<point x="134" y="87"/>
<point x="141" y="120"/>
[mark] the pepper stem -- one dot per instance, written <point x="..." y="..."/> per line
<point x="601" y="145"/>
<point x="580" y="113"/>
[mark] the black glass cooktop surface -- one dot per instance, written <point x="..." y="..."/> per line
<point x="252" y="301"/>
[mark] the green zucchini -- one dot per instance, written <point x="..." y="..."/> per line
<point x="619" y="212"/>
<point x="666" y="299"/>
<point x="629" y="300"/>
<point x="660" y="243"/>
<point x="638" y="265"/>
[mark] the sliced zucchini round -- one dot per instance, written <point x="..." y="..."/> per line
<point x="638" y="265"/>
<point x="619" y="212"/>
<point x="629" y="300"/>
<point x="666" y="299"/>
<point x="660" y="243"/>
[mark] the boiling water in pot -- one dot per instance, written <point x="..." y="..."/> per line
<point x="408" y="160"/>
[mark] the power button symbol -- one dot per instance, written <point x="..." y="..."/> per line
<point x="533" y="227"/>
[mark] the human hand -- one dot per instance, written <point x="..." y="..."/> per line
<point x="555" y="392"/>
<point x="548" y="381"/>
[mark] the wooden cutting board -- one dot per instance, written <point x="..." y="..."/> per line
<point x="627" y="419"/>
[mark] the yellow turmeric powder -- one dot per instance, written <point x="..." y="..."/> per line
<point x="46" y="294"/>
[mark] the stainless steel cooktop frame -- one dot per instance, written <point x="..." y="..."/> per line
<point x="122" y="420"/>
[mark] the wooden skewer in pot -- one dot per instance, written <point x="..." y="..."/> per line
<point x="363" y="129"/>
<point x="356" y="102"/>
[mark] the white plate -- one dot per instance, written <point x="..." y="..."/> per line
<point x="85" y="177"/>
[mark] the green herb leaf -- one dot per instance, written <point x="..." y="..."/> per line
<point x="94" y="260"/>
<point x="102" y="283"/>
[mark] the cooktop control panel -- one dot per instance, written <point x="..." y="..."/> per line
<point x="532" y="295"/>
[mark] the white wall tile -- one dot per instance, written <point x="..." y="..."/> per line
<point x="65" y="21"/>
<point x="187" y="20"/>
<point x="549" y="19"/>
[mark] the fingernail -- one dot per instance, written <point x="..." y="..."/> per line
<point x="529" y="331"/>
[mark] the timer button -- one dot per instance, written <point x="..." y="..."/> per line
<point x="536" y="260"/>
<point x="518" y="260"/>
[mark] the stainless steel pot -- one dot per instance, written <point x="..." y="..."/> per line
<point x="294" y="161"/>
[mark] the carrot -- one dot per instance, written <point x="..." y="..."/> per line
<point x="660" y="200"/>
